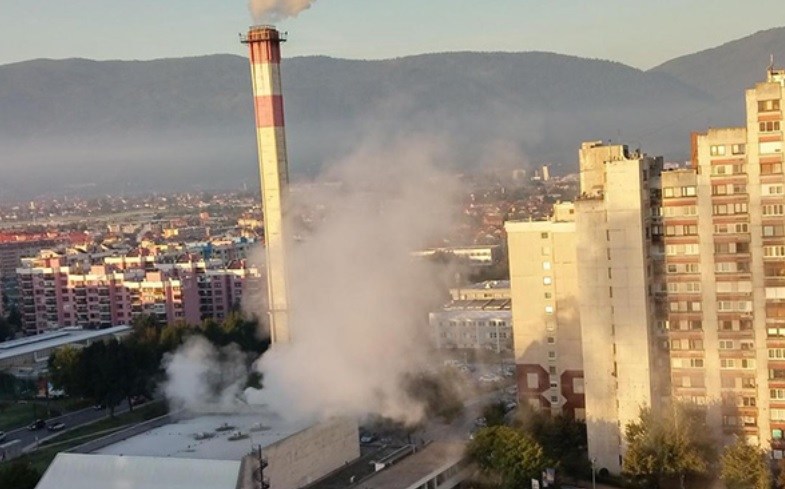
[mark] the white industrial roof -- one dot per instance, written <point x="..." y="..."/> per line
<point x="185" y="438"/>
<point x="78" y="471"/>
<point x="65" y="336"/>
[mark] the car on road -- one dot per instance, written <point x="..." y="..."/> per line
<point x="367" y="438"/>
<point x="2" y="435"/>
<point x="36" y="425"/>
<point x="56" y="426"/>
<point x="481" y="422"/>
<point x="136" y="400"/>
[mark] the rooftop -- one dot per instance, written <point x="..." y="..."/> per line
<point x="78" y="471"/>
<point x="207" y="437"/>
<point x="488" y="284"/>
<point x="64" y="336"/>
<point x="416" y="468"/>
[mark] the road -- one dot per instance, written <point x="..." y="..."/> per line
<point x="71" y="420"/>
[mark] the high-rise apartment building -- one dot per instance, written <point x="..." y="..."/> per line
<point x="619" y="260"/>
<point x="724" y="232"/>
<point x="546" y="322"/>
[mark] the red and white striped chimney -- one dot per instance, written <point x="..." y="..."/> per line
<point x="265" y="52"/>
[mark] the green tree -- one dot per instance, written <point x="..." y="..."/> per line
<point x="744" y="467"/>
<point x="494" y="414"/>
<point x="63" y="369"/>
<point x="508" y="456"/>
<point x="672" y="445"/>
<point x="7" y="330"/>
<point x="563" y="438"/>
<point x="18" y="475"/>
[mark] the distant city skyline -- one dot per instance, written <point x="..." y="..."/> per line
<point x="642" y="35"/>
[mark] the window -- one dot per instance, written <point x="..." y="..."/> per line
<point x="551" y="354"/>
<point x="770" y="126"/>
<point x="770" y="168"/>
<point x="546" y="265"/>
<point x="737" y="149"/>
<point x="726" y="344"/>
<point x="768" y="105"/>
<point x="547" y="280"/>
<point x="717" y="150"/>
<point x="544" y="235"/>
<point x="777" y="353"/>
<point x="548" y="309"/>
<point x="551" y="340"/>
<point x="727" y="363"/>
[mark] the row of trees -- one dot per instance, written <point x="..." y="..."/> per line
<point x="675" y="449"/>
<point x="111" y="371"/>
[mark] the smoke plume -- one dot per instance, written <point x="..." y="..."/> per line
<point x="359" y="299"/>
<point x="274" y="10"/>
<point x="202" y="378"/>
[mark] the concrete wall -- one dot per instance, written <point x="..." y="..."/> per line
<point x="311" y="454"/>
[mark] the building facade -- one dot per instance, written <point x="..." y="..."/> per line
<point x="619" y="258"/>
<point x="547" y="330"/>
<point x="725" y="261"/>
<point x="53" y="294"/>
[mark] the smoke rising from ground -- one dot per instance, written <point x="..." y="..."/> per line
<point x="359" y="300"/>
<point x="274" y="10"/>
<point x="203" y="378"/>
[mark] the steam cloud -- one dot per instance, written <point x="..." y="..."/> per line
<point x="203" y="378"/>
<point x="274" y="10"/>
<point x="360" y="301"/>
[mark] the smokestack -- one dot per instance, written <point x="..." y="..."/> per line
<point x="265" y="54"/>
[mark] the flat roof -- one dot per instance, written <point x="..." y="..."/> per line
<point x="432" y="459"/>
<point x="54" y="339"/>
<point x="79" y="471"/>
<point x="487" y="285"/>
<point x="200" y="437"/>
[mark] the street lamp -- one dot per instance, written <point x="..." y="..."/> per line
<point x="593" y="472"/>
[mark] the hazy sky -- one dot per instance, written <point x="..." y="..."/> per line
<point x="638" y="33"/>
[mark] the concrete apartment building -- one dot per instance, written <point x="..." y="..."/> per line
<point x="547" y="330"/>
<point x="54" y="294"/>
<point x="725" y="261"/>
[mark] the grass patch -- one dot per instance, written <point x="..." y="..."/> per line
<point x="41" y="458"/>
<point x="18" y="414"/>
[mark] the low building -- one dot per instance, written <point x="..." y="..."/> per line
<point x="480" y="255"/>
<point x="296" y="454"/>
<point x="437" y="466"/>
<point x="490" y="289"/>
<point x="27" y="357"/>
<point x="473" y="324"/>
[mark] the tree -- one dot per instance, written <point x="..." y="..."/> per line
<point x="18" y="475"/>
<point x="745" y="467"/>
<point x="7" y="330"/>
<point x="509" y="456"/>
<point x="63" y="369"/>
<point x="563" y="438"/>
<point x="670" y="445"/>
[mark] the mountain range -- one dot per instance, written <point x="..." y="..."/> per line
<point x="128" y="126"/>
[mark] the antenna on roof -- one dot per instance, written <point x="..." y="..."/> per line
<point x="771" y="62"/>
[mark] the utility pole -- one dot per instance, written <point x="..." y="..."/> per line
<point x="593" y="472"/>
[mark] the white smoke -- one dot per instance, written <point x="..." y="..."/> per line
<point x="203" y="378"/>
<point x="359" y="300"/>
<point x="274" y="10"/>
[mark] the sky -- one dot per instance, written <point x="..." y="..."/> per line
<point x="637" y="33"/>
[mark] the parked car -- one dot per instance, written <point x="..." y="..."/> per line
<point x="481" y="422"/>
<point x="56" y="426"/>
<point x="36" y="425"/>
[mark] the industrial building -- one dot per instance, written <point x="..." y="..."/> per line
<point x="295" y="454"/>
<point x="28" y="357"/>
